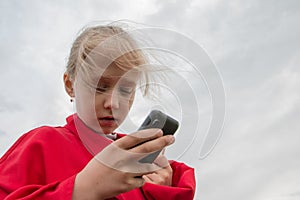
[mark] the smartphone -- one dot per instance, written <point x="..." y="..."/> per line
<point x="158" y="119"/>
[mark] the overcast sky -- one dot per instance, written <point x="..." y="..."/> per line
<point x="254" y="44"/>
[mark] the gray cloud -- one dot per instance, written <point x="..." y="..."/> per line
<point x="255" y="45"/>
<point x="296" y="194"/>
<point x="9" y="105"/>
<point x="2" y="133"/>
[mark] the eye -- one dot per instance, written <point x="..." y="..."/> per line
<point x="126" y="90"/>
<point x="102" y="88"/>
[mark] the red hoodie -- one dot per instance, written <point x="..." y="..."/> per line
<point x="43" y="163"/>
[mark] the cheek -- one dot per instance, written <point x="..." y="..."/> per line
<point x="130" y="102"/>
<point x="83" y="100"/>
<point x="125" y="106"/>
<point x="85" y="109"/>
<point x="98" y="102"/>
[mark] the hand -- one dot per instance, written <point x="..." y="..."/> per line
<point x="162" y="176"/>
<point x="116" y="169"/>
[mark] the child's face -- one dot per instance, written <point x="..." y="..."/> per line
<point x="104" y="107"/>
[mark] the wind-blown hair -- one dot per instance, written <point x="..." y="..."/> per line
<point x="97" y="47"/>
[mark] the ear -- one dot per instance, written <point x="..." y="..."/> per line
<point x="68" y="85"/>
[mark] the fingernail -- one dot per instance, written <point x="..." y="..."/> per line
<point x="160" y="132"/>
<point x="171" y="139"/>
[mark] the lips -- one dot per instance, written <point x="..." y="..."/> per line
<point x="107" y="121"/>
<point x="107" y="118"/>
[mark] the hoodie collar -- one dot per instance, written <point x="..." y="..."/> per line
<point x="94" y="142"/>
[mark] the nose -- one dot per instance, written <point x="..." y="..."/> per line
<point x="111" y="101"/>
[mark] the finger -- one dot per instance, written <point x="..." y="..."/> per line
<point x="139" y="181"/>
<point x="147" y="179"/>
<point x="133" y="182"/>
<point x="154" y="145"/>
<point x="161" y="161"/>
<point x="138" y="137"/>
<point x="155" y="178"/>
<point x="124" y="160"/>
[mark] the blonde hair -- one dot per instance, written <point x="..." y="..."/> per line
<point x="109" y="41"/>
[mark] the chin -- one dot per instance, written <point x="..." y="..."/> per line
<point x="107" y="130"/>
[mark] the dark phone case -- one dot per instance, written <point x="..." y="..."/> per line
<point x="157" y="119"/>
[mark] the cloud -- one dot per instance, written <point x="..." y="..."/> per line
<point x="2" y="133"/>
<point x="255" y="45"/>
<point x="8" y="105"/>
<point x="295" y="194"/>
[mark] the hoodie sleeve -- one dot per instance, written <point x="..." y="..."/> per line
<point x="23" y="169"/>
<point x="183" y="185"/>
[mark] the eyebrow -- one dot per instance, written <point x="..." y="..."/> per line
<point x="109" y="79"/>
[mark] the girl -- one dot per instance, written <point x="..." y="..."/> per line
<point x="85" y="159"/>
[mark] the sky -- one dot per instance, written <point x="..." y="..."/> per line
<point x="254" y="45"/>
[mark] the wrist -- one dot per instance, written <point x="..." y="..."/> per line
<point x="83" y="189"/>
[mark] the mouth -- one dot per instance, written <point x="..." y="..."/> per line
<point x="107" y="121"/>
<point x="109" y="118"/>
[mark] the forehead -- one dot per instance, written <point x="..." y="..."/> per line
<point x="113" y="61"/>
<point x="115" y="73"/>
